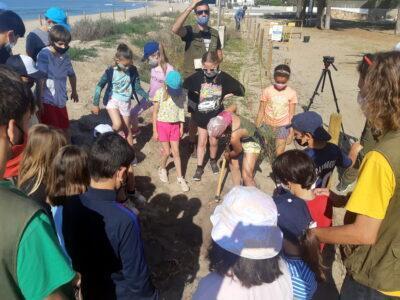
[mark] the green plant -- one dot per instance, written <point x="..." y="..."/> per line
<point x="139" y="41"/>
<point x="109" y="42"/>
<point x="81" y="54"/>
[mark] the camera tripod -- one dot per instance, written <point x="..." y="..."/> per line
<point x="328" y="61"/>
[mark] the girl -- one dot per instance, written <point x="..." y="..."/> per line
<point x="209" y="87"/>
<point x="244" y="254"/>
<point x="298" y="208"/>
<point x="168" y="119"/>
<point x="244" y="137"/>
<point x="68" y="176"/>
<point x="43" y="144"/>
<point x="123" y="83"/>
<point x="277" y="107"/>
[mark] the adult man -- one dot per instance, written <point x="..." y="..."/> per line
<point x="39" y="38"/>
<point x="33" y="265"/>
<point x="11" y="28"/>
<point x="239" y="16"/>
<point x="198" y="39"/>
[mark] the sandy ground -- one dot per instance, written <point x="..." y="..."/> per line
<point x="176" y="226"/>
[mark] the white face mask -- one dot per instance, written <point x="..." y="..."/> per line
<point x="153" y="62"/>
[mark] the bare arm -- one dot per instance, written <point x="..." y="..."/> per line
<point x="261" y="112"/>
<point x="292" y="110"/>
<point x="74" y="93"/>
<point x="363" y="231"/>
<point x="178" y="28"/>
<point x="155" y="112"/>
<point x="236" y="145"/>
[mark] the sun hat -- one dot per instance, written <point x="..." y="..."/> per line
<point x="294" y="217"/>
<point x="58" y="16"/>
<point x="310" y="122"/>
<point x="25" y="66"/>
<point x="102" y="128"/>
<point x="149" y="49"/>
<point x="173" y="80"/>
<point x="217" y="126"/>
<point x="245" y="224"/>
<point x="9" y="20"/>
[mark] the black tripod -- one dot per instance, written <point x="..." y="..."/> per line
<point x="328" y="61"/>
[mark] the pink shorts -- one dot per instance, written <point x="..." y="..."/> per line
<point x="168" y="132"/>
<point x="123" y="107"/>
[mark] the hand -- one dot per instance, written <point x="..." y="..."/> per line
<point x="74" y="96"/>
<point x="155" y="135"/>
<point x="322" y="192"/>
<point x="227" y="156"/>
<point x="95" y="110"/>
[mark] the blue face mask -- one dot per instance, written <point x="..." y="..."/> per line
<point x="202" y="20"/>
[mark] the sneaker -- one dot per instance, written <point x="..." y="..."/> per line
<point x="182" y="182"/>
<point x="197" y="175"/>
<point x="163" y="175"/>
<point x="214" y="166"/>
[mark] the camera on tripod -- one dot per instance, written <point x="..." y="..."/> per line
<point x="328" y="60"/>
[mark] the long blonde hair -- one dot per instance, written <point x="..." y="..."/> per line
<point x="43" y="145"/>
<point x="163" y="58"/>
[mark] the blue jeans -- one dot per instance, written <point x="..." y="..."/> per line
<point x="352" y="290"/>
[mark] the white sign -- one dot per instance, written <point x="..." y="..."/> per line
<point x="277" y="31"/>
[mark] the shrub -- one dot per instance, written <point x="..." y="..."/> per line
<point x="88" y="30"/>
<point x="81" y="54"/>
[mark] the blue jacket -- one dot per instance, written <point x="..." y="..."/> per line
<point x="104" y="242"/>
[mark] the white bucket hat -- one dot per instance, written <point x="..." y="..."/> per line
<point x="246" y="224"/>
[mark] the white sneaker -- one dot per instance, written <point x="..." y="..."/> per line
<point x="183" y="184"/>
<point x="163" y="175"/>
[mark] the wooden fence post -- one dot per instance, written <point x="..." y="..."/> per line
<point x="258" y="34"/>
<point x="255" y="29"/>
<point x="40" y="19"/>
<point x="261" y="45"/>
<point x="269" y="59"/>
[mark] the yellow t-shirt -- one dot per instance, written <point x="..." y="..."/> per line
<point x="375" y="187"/>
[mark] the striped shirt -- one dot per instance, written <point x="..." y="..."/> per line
<point x="303" y="279"/>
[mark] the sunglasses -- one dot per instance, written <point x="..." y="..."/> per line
<point x="200" y="12"/>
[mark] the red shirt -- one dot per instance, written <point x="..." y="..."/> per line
<point x="321" y="211"/>
<point x="12" y="167"/>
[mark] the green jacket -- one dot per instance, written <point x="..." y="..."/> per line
<point x="16" y="210"/>
<point x="378" y="266"/>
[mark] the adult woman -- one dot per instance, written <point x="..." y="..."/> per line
<point x="210" y="86"/>
<point x="244" y="255"/>
<point x="373" y="264"/>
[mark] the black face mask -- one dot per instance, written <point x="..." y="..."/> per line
<point x="300" y="142"/>
<point x="60" y="50"/>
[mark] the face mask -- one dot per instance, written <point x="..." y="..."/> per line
<point x="153" y="63"/>
<point x="202" y="20"/>
<point x="122" y="67"/>
<point x="60" y="50"/>
<point x="280" y="86"/>
<point x="300" y="142"/>
<point x="211" y="74"/>
<point x="360" y="99"/>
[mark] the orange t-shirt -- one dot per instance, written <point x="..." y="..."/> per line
<point x="277" y="109"/>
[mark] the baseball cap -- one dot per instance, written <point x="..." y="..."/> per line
<point x="58" y="16"/>
<point x="245" y="224"/>
<point x="102" y="128"/>
<point x="294" y="218"/>
<point x="311" y="122"/>
<point x="173" y="80"/>
<point x="25" y="66"/>
<point x="9" y="20"/>
<point x="149" y="49"/>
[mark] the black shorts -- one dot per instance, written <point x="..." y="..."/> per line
<point x="202" y="119"/>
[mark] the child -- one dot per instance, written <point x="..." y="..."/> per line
<point x="309" y="132"/>
<point x="101" y="236"/>
<point x="208" y="89"/>
<point x="168" y="119"/>
<point x="123" y="83"/>
<point x="56" y="64"/>
<point x="244" y="137"/>
<point x="296" y="212"/>
<point x="277" y="107"/>
<point x="43" y="144"/>
<point x="155" y="55"/>
<point x="68" y="176"/>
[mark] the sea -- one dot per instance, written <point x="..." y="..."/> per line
<point x="31" y="9"/>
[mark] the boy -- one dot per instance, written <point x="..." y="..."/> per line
<point x="11" y="28"/>
<point x="101" y="236"/>
<point x="55" y="62"/>
<point x="309" y="132"/>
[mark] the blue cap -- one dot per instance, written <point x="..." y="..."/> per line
<point x="174" y="83"/>
<point x="294" y="218"/>
<point x="311" y="122"/>
<point x="58" y="16"/>
<point x="149" y="49"/>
